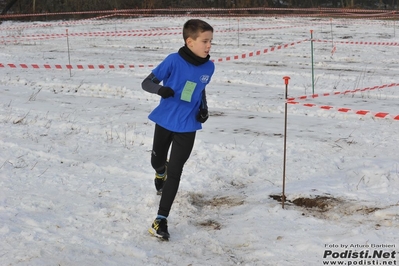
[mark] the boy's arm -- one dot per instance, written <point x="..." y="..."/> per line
<point x="203" y="114"/>
<point x="204" y="103"/>
<point x="151" y="85"/>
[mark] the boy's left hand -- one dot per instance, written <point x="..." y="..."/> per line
<point x="202" y="115"/>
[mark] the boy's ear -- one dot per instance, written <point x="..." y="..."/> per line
<point x="189" y="41"/>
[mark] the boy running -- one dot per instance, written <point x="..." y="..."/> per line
<point x="182" y="109"/>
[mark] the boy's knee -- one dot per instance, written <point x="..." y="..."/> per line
<point x="158" y="167"/>
<point x="174" y="173"/>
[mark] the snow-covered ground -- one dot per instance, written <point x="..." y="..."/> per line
<point x="76" y="184"/>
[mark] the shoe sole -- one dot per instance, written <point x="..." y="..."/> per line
<point x="154" y="233"/>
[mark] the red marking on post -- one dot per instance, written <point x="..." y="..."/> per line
<point x="286" y="80"/>
<point x="345" y="110"/>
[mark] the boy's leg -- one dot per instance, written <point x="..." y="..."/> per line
<point x="181" y="149"/>
<point x="160" y="147"/>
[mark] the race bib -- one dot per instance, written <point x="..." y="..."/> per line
<point x="188" y="91"/>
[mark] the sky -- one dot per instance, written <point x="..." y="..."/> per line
<point x="76" y="183"/>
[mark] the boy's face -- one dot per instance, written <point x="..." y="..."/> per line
<point x="202" y="45"/>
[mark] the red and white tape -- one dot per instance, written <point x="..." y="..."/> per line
<point x="312" y="96"/>
<point x="124" y="66"/>
<point x="207" y="11"/>
<point x="58" y="66"/>
<point x="348" y="110"/>
<point x="362" y="42"/>
<point x="259" y="52"/>
<point x="129" y="33"/>
<point x="94" y="20"/>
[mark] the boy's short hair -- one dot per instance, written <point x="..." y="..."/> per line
<point x="193" y="27"/>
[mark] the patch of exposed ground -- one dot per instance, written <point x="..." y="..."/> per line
<point x="331" y="208"/>
<point x="200" y="201"/>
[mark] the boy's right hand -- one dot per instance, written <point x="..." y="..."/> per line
<point x="166" y="92"/>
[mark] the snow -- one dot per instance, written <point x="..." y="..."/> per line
<point x="76" y="184"/>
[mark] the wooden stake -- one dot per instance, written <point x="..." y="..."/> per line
<point x="286" y="79"/>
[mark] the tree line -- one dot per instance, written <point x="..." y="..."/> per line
<point x="52" y="6"/>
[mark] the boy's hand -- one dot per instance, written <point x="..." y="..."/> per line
<point x="202" y="115"/>
<point x="166" y="92"/>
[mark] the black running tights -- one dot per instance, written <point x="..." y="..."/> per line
<point x="182" y="145"/>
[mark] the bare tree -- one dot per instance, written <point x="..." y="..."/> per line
<point x="8" y="6"/>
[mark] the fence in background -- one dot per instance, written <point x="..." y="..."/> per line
<point x="219" y="12"/>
